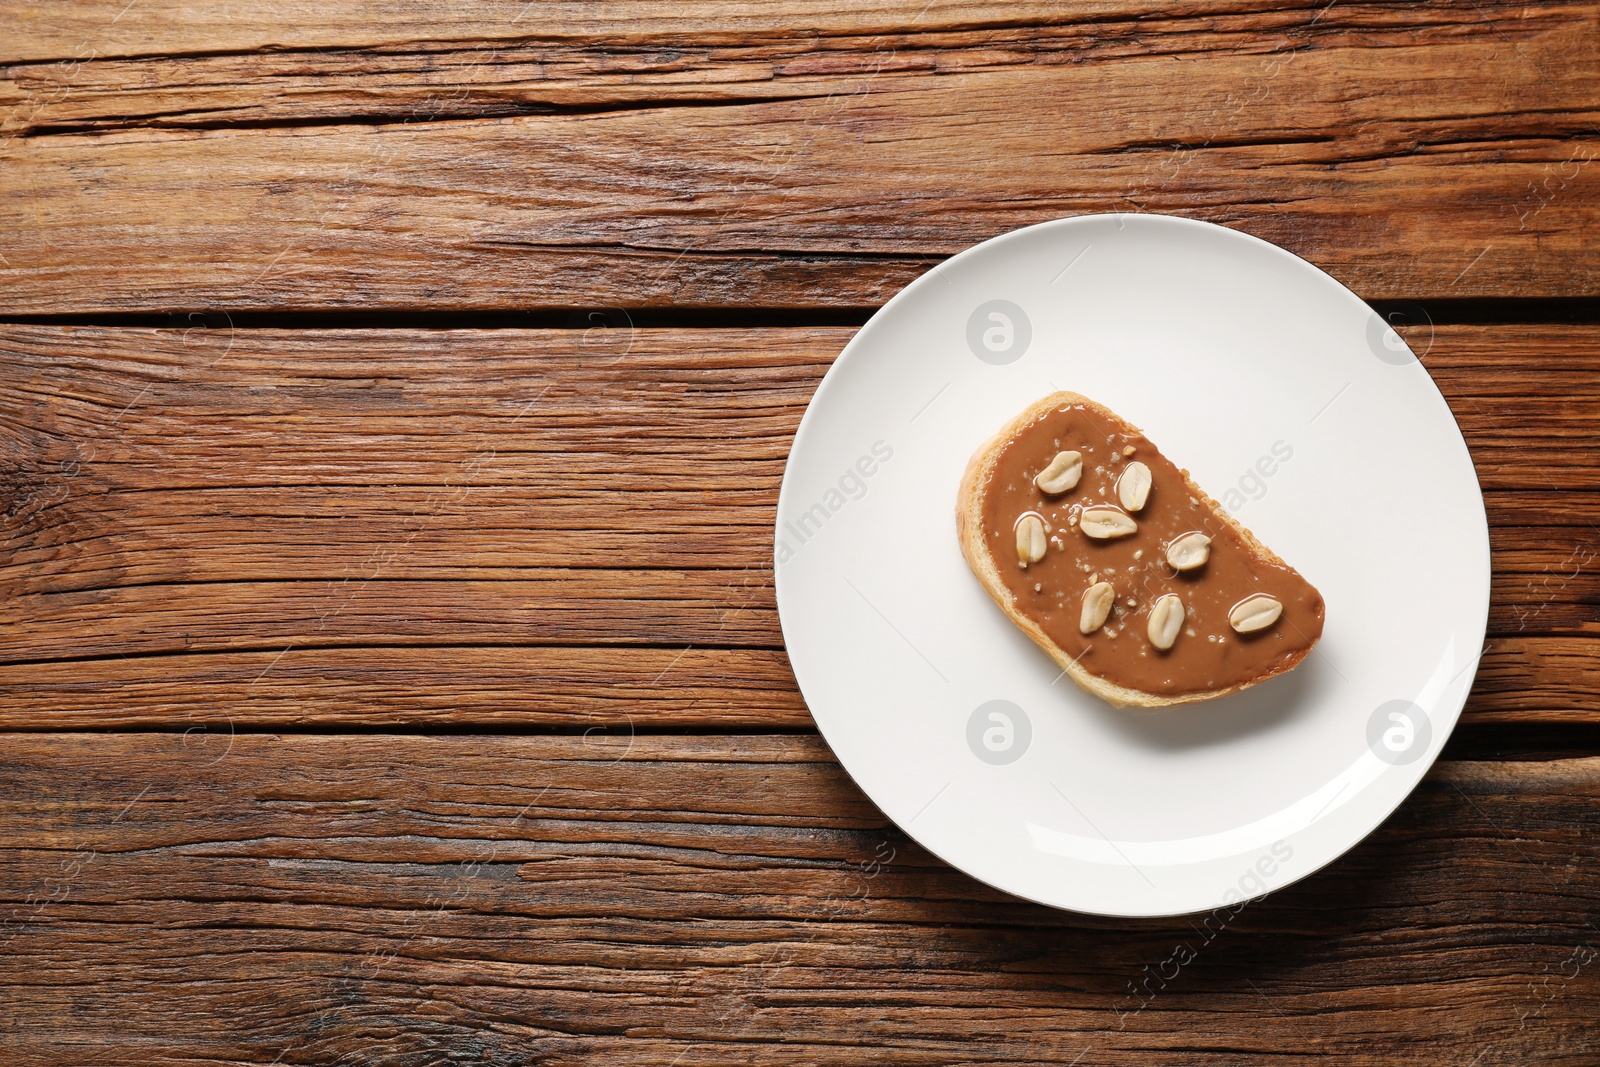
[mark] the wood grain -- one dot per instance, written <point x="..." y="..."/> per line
<point x="1558" y="675"/>
<point x="173" y="27"/>
<point x="728" y="901"/>
<point x="209" y="533"/>
<point x="609" y="690"/>
<point x="269" y="528"/>
<point x="1442" y="153"/>
<point x="619" y="55"/>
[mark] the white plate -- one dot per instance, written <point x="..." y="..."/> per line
<point x="1290" y="401"/>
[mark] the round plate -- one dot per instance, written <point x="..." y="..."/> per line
<point x="1292" y="403"/>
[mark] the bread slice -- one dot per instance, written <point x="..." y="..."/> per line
<point x="980" y="552"/>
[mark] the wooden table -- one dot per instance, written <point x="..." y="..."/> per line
<point x="393" y="405"/>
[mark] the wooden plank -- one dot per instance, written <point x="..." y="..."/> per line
<point x="1446" y="157"/>
<point x="330" y="475"/>
<point x="546" y="606"/>
<point x="206" y="74"/>
<point x="729" y="900"/>
<point x="1548" y="679"/>
<point x="428" y="413"/>
<point x="174" y="27"/>
<point x="617" y="691"/>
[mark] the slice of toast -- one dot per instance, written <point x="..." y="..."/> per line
<point x="1040" y="554"/>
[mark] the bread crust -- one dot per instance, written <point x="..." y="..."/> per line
<point x="974" y="546"/>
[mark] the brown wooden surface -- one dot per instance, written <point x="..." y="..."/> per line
<point x="190" y="506"/>
<point x="729" y="901"/>
<point x="552" y="547"/>
<point x="804" y="165"/>
<point x="1527" y="681"/>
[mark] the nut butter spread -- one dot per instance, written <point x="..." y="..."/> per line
<point x="1193" y="606"/>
